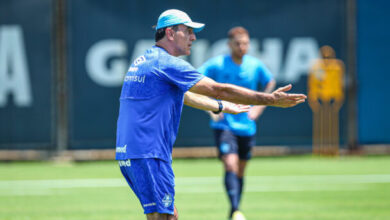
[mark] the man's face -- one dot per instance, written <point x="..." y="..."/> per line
<point x="239" y="45"/>
<point x="183" y="39"/>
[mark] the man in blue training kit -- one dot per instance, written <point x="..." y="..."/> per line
<point x="153" y="92"/>
<point x="235" y="134"/>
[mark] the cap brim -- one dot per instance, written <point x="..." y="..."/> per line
<point x="195" y="26"/>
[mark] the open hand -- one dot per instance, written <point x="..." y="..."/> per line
<point x="233" y="108"/>
<point x="285" y="100"/>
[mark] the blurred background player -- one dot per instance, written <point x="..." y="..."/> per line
<point x="235" y="134"/>
<point x="326" y="96"/>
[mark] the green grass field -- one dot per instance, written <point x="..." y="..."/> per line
<point x="300" y="187"/>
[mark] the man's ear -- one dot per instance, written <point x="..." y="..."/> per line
<point x="169" y="33"/>
<point x="229" y="43"/>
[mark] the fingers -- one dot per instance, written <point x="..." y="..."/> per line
<point x="286" y="100"/>
<point x="241" y="109"/>
<point x="244" y="107"/>
<point x="284" y="88"/>
<point x="291" y="100"/>
<point x="295" y="102"/>
<point x="296" y="96"/>
<point x="298" y="101"/>
<point x="233" y="108"/>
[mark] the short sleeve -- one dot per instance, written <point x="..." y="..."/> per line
<point x="180" y="73"/>
<point x="207" y="69"/>
<point x="264" y="74"/>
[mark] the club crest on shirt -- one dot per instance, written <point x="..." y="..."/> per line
<point x="139" y="60"/>
<point x="224" y="147"/>
<point x="167" y="200"/>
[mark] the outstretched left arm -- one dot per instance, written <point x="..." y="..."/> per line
<point x="257" y="110"/>
<point x="205" y="103"/>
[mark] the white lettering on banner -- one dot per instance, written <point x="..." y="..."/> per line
<point x="271" y="55"/>
<point x="217" y="48"/>
<point x="99" y="70"/>
<point x="14" y="74"/>
<point x="199" y="49"/>
<point x="140" y="47"/>
<point x="299" y="55"/>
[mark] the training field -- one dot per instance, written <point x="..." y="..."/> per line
<point x="299" y="187"/>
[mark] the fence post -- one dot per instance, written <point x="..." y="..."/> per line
<point x="60" y="85"/>
<point x="352" y="126"/>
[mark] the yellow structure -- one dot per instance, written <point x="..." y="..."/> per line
<point x="326" y="96"/>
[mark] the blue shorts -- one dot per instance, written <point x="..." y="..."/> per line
<point x="152" y="181"/>
<point x="229" y="143"/>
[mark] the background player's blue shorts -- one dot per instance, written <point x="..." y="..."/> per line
<point x="229" y="143"/>
<point x="152" y="180"/>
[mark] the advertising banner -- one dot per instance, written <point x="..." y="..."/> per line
<point x="25" y="74"/>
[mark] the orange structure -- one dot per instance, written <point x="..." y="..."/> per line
<point x="326" y="96"/>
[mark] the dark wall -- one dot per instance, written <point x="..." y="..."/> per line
<point x="104" y="36"/>
<point x="94" y="26"/>
<point x="373" y="75"/>
<point x="25" y="74"/>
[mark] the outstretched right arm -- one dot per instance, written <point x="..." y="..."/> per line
<point x="240" y="95"/>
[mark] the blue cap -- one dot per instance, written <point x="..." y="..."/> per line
<point x="173" y="17"/>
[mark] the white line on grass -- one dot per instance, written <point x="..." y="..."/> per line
<point x="203" y="184"/>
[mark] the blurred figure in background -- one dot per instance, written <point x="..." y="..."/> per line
<point x="326" y="96"/>
<point x="235" y="134"/>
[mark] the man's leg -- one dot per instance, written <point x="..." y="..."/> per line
<point x="227" y="147"/>
<point x="230" y="162"/>
<point x="159" y="216"/>
<point x="175" y="215"/>
<point x="240" y="175"/>
<point x="152" y="181"/>
<point x="245" y="145"/>
<point x="156" y="216"/>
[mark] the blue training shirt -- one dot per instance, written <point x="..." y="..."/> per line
<point x="151" y="103"/>
<point x="249" y="74"/>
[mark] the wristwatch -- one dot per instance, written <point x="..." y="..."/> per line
<point x="220" y="107"/>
